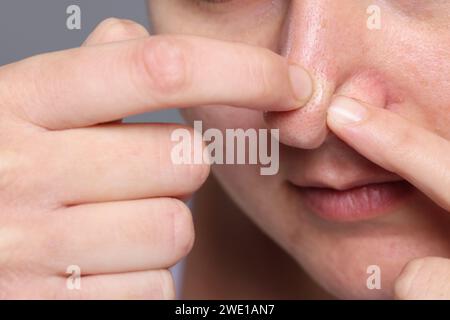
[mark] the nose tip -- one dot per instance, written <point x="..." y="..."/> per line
<point x="306" y="128"/>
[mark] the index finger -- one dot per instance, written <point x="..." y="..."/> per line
<point x="394" y="143"/>
<point x="90" y="85"/>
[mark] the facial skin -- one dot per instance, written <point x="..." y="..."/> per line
<point x="403" y="67"/>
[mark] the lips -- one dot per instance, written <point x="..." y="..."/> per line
<point x="357" y="203"/>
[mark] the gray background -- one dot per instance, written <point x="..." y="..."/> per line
<point x="29" y="27"/>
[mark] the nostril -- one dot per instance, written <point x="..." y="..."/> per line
<point x="306" y="128"/>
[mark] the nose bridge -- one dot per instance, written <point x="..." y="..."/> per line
<point x="317" y="35"/>
<point x="318" y="31"/>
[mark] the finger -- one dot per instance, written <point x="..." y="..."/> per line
<point x="424" y="279"/>
<point x="116" y="237"/>
<point x="114" y="30"/>
<point x="115" y="162"/>
<point x="144" y="285"/>
<point x="416" y="154"/>
<point x="91" y="85"/>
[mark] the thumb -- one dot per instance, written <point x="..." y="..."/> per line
<point x="114" y="30"/>
<point x="424" y="279"/>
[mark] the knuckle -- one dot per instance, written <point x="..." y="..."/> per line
<point x="113" y="29"/>
<point x="165" y="65"/>
<point x="107" y="23"/>
<point x="53" y="243"/>
<point x="260" y="74"/>
<point x="11" y="240"/>
<point x="9" y="169"/>
<point x="11" y="286"/>
<point x="182" y="228"/>
<point x="12" y="261"/>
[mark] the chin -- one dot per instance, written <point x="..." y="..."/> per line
<point x="347" y="270"/>
<point x="344" y="257"/>
<point x="348" y="274"/>
<point x="338" y="249"/>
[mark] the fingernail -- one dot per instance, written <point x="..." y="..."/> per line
<point x="301" y="82"/>
<point x="345" y="111"/>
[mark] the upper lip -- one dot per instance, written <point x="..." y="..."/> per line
<point x="343" y="185"/>
<point x="337" y="167"/>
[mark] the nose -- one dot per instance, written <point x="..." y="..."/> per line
<point x="331" y="39"/>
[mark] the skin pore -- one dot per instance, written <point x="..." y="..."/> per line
<point x="403" y="68"/>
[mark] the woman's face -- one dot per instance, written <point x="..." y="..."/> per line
<point x="334" y="211"/>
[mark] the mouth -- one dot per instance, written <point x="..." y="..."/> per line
<point x="356" y="203"/>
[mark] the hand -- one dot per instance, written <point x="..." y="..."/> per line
<point x="78" y="187"/>
<point x="398" y="145"/>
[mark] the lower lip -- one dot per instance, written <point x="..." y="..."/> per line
<point x="355" y="204"/>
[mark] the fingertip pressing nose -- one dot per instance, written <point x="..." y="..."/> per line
<point x="345" y="111"/>
<point x="302" y="84"/>
<point x="305" y="127"/>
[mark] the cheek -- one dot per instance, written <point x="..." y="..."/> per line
<point x="431" y="94"/>
<point x="416" y="59"/>
<point x="255" y="22"/>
